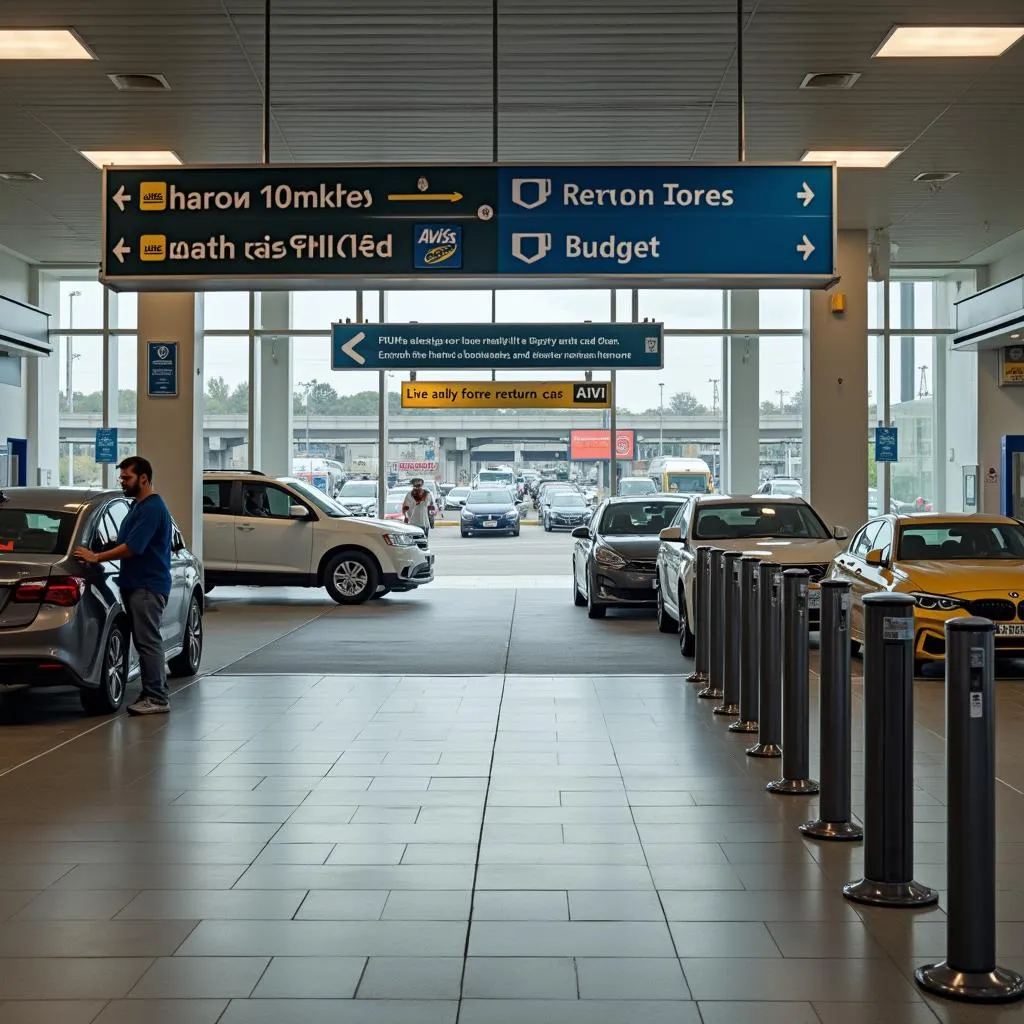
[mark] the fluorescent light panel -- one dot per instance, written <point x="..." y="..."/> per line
<point x="867" y="158"/>
<point x="949" y="40"/>
<point x="42" y="44"/>
<point x="131" y="157"/>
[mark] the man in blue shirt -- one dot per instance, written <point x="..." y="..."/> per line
<point x="144" y="551"/>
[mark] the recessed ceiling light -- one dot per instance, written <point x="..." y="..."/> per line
<point x="949" y="40"/>
<point x="139" y="83"/>
<point x="834" y="80"/>
<point x="869" y="158"/>
<point x="42" y="44"/>
<point x="19" y="177"/>
<point x="935" y="177"/>
<point x="131" y="157"/>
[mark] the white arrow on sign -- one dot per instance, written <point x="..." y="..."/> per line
<point x="121" y="198"/>
<point x="121" y="250"/>
<point x="806" y="247"/>
<point x="350" y="346"/>
<point x="806" y="194"/>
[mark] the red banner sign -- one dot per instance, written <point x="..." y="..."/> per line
<point x="596" y="444"/>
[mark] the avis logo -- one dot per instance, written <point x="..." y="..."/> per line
<point x="437" y="245"/>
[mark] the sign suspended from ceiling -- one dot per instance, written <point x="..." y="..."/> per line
<point x="292" y="227"/>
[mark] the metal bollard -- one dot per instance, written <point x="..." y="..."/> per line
<point x="731" y="637"/>
<point x="888" y="757"/>
<point x="716" y="626"/>
<point x="969" y="971"/>
<point x="769" y="691"/>
<point x="748" y="630"/>
<point x="796" y="709"/>
<point x="835" y="696"/>
<point x="701" y="622"/>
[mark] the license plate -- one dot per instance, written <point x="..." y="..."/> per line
<point x="1009" y="629"/>
<point x="490" y="522"/>
<point x="813" y="598"/>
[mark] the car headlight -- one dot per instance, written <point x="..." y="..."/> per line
<point x="937" y="602"/>
<point x="512" y="515"/>
<point x="466" y="514"/>
<point x="611" y="559"/>
<point x="400" y="540"/>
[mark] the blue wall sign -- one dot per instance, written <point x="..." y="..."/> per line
<point x="163" y="369"/>
<point x="496" y="346"/>
<point x="287" y="226"/>
<point x="886" y="444"/>
<point x="106" y="446"/>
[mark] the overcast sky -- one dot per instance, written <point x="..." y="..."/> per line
<point x="691" y="364"/>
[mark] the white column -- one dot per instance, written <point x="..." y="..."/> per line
<point x="272" y="391"/>
<point x="110" y="376"/>
<point x="742" y="405"/>
<point x="836" y="391"/>
<point x="43" y="393"/>
<point x="170" y="430"/>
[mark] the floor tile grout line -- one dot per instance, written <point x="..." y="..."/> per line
<point x="483" y="813"/>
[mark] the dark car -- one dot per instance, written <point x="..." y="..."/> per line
<point x="62" y="621"/>
<point x="614" y="561"/>
<point x="566" y="510"/>
<point x="490" y="510"/>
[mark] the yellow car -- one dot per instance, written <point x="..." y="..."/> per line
<point x="952" y="565"/>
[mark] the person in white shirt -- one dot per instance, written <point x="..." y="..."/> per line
<point x="418" y="506"/>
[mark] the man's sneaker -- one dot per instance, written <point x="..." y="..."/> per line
<point x="148" y="706"/>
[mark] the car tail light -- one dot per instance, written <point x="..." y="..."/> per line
<point x="63" y="591"/>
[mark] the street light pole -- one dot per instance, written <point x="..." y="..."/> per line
<point x="661" y="419"/>
<point x="308" y="386"/>
<point x="69" y="353"/>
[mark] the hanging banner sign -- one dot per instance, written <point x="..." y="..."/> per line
<point x="506" y="395"/>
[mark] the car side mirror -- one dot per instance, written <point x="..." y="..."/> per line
<point x="841" y="533"/>
<point x="298" y="512"/>
<point x="581" y="533"/>
<point x="875" y="557"/>
<point x="671" y="533"/>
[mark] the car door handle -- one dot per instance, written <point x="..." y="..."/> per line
<point x="246" y="529"/>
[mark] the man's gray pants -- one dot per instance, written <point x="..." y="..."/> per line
<point x="145" y="612"/>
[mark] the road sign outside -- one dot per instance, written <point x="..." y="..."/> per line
<point x="886" y="444"/>
<point x="491" y="346"/>
<point x="284" y="226"/>
<point x="596" y="445"/>
<point x="505" y="395"/>
<point x="106" y="446"/>
<point x="163" y="369"/>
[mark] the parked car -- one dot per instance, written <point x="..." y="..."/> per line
<point x="614" y="559"/>
<point x="784" y="485"/>
<point x="784" y="530"/>
<point x="548" y="490"/>
<point x="952" y="565"/>
<point x="62" y="621"/>
<point x="259" y="531"/>
<point x="568" y="509"/>
<point x="490" y="510"/>
<point x="393" y="509"/>
<point x="456" y="498"/>
<point x="359" y="497"/>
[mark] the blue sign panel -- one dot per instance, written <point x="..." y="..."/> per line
<point x="287" y="226"/>
<point x="106" y="446"/>
<point x="495" y="346"/>
<point x="886" y="444"/>
<point x="163" y="369"/>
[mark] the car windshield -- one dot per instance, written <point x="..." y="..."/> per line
<point x="328" y="506"/>
<point x="568" y="501"/>
<point x="628" y="487"/>
<point x="501" y="497"/>
<point x="637" y="518"/>
<point x="360" y="489"/>
<point x="688" y="483"/>
<point x="947" y="541"/>
<point x="787" y="487"/>
<point x="749" y="520"/>
<point x="29" y="531"/>
<point x="459" y="492"/>
<point x="495" y="477"/>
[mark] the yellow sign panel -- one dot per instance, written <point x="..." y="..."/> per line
<point x="506" y="395"/>
<point x="153" y="247"/>
<point x="1012" y="365"/>
<point x="153" y="195"/>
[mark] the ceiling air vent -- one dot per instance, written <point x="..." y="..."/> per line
<point x="831" y="80"/>
<point x="139" y="83"/>
<point x="935" y="177"/>
<point x="19" y="177"/>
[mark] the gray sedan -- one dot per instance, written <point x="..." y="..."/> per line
<point x="61" y="621"/>
<point x="614" y="560"/>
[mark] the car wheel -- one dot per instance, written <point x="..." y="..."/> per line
<point x="381" y="592"/>
<point x="595" y="610"/>
<point x="464" y="533"/>
<point x="547" y="526"/>
<point x="515" y="532"/>
<point x="577" y="598"/>
<point x="351" y="578"/>
<point x="666" y="624"/>
<point x="687" y="639"/>
<point x="109" y="695"/>
<point x="187" y="663"/>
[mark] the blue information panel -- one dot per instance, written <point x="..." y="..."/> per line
<point x="886" y="444"/>
<point x="106" y="446"/>
<point x="497" y="346"/>
<point x="163" y="369"/>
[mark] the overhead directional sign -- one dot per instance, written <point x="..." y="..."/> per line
<point x="281" y="226"/>
<point x="490" y="346"/>
<point x="506" y="395"/>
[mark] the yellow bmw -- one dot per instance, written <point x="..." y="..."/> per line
<point x="952" y="565"/>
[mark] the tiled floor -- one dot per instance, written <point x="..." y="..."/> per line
<point x="487" y="850"/>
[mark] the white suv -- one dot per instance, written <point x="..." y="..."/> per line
<point x="265" y="532"/>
